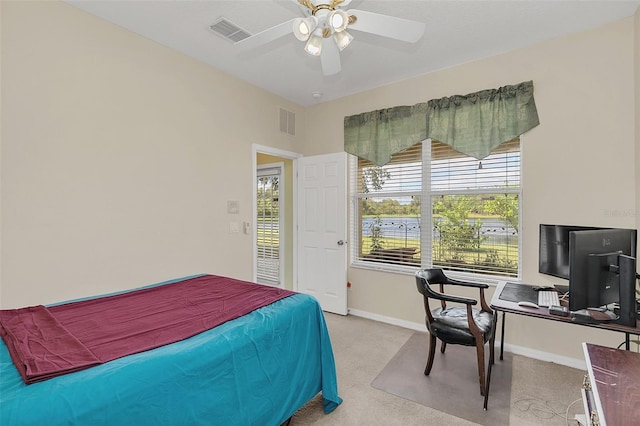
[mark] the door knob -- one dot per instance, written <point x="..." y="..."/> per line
<point x="340" y="242"/>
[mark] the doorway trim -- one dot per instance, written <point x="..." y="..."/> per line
<point x="262" y="149"/>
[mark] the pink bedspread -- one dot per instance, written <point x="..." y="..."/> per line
<point x="46" y="342"/>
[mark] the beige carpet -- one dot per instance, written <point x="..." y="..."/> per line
<point x="542" y="393"/>
<point x="452" y="386"/>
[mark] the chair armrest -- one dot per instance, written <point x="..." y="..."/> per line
<point x="429" y="292"/>
<point x="479" y="286"/>
<point x="458" y="299"/>
<point x="466" y="283"/>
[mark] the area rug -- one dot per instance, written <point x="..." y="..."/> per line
<point x="452" y="386"/>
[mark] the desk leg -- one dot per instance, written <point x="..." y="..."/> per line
<point x="504" y="314"/>
<point x="627" y="345"/>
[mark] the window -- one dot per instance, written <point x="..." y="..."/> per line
<point x="268" y="230"/>
<point x="433" y="206"/>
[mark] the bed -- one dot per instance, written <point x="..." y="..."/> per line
<point x="257" y="369"/>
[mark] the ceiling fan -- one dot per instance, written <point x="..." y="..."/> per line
<point x="324" y="29"/>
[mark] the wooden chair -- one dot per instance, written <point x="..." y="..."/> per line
<point x="457" y="325"/>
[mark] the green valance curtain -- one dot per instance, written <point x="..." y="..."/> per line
<point x="376" y="135"/>
<point x="476" y="123"/>
<point x="472" y="124"/>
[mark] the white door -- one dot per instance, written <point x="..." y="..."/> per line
<point x="322" y="230"/>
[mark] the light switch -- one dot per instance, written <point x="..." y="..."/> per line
<point x="234" y="227"/>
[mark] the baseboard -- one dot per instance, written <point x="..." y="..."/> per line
<point x="515" y="349"/>
<point x="388" y="320"/>
<point x="545" y="356"/>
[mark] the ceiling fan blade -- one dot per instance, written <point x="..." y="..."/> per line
<point x="387" y="26"/>
<point x="266" y="36"/>
<point x="330" y="57"/>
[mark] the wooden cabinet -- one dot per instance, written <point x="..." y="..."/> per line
<point x="611" y="390"/>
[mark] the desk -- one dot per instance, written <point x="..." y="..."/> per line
<point x="612" y="388"/>
<point x="543" y="313"/>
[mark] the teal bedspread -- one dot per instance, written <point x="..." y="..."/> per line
<point x="258" y="369"/>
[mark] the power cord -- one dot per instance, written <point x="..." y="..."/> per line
<point x="566" y="413"/>
<point x="542" y="408"/>
<point x="636" y="342"/>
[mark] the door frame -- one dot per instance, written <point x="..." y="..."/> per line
<point x="262" y="149"/>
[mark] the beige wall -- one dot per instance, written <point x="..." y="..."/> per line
<point x="118" y="158"/>
<point x="637" y="114"/>
<point x="1" y="172"/>
<point x="578" y="165"/>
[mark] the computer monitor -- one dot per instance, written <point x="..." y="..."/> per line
<point x="553" y="256"/>
<point x="588" y="250"/>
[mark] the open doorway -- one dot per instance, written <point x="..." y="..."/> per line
<point x="274" y="236"/>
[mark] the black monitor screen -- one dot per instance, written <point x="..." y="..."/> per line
<point x="589" y="250"/>
<point x="554" y="249"/>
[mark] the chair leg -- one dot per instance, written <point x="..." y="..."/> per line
<point x="443" y="346"/>
<point x="480" y="351"/>
<point x="432" y="351"/>
<point x="486" y="390"/>
<point x="492" y="343"/>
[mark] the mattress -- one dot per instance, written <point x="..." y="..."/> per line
<point x="254" y="370"/>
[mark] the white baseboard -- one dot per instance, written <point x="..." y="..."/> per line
<point x="546" y="356"/>
<point x="514" y="349"/>
<point x="388" y="320"/>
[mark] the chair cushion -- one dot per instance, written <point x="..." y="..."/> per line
<point x="450" y="325"/>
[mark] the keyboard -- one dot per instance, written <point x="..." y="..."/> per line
<point x="548" y="298"/>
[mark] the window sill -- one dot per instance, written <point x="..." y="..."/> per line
<point x="385" y="267"/>
<point x="490" y="280"/>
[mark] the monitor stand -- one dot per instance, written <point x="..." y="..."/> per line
<point x="628" y="308"/>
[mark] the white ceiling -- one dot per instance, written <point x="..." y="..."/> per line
<point x="456" y="32"/>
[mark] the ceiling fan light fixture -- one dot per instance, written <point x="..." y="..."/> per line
<point x="343" y="39"/>
<point x="338" y="20"/>
<point x="303" y="27"/>
<point x="314" y="45"/>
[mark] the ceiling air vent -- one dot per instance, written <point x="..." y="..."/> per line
<point x="229" y="30"/>
<point x="287" y="122"/>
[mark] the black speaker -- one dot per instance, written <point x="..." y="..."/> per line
<point x="628" y="308"/>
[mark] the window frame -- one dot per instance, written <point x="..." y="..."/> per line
<point x="426" y="220"/>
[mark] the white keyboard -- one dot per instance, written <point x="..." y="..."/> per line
<point x="548" y="298"/>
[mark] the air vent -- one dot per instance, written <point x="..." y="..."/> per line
<point x="229" y="30"/>
<point x="287" y="122"/>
